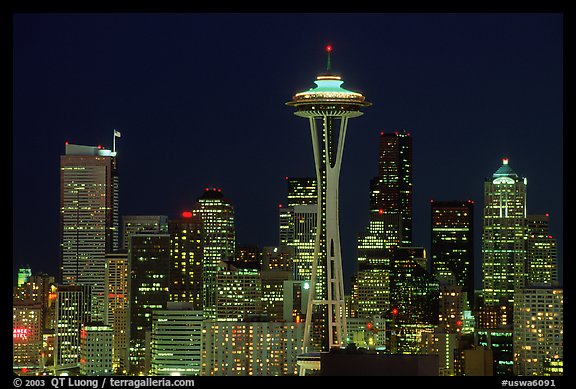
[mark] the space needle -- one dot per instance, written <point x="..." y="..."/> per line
<point x="328" y="107"/>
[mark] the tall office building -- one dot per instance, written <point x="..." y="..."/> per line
<point x="217" y="215"/>
<point x="273" y="282"/>
<point x="176" y="340"/>
<point x="72" y="311"/>
<point x="89" y="219"/>
<point x="452" y="244"/>
<point x="238" y="292"/>
<point x="24" y="274"/>
<point x="538" y="329"/>
<point x="503" y="239"/>
<point x="540" y="252"/>
<point x="414" y="293"/>
<point x="251" y="255"/>
<point x="27" y="334"/>
<point x="389" y="225"/>
<point x="301" y="191"/>
<point x="96" y="346"/>
<point x="186" y="259"/>
<point x="149" y="257"/>
<point x="118" y="287"/>
<point x="391" y="190"/>
<point x="142" y="224"/>
<point x="500" y="342"/>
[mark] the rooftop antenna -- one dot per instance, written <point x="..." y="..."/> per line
<point x="328" y="50"/>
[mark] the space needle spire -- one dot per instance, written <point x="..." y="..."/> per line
<point x="328" y="107"/>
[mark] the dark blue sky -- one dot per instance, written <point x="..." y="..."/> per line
<point x="199" y="99"/>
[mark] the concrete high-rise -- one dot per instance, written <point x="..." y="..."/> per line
<point x="149" y="257"/>
<point x="219" y="236"/>
<point x="541" y="252"/>
<point x="89" y="218"/>
<point x="328" y="107"/>
<point x="118" y="315"/>
<point x="176" y="340"/>
<point x="538" y="329"/>
<point x="142" y="224"/>
<point x="186" y="259"/>
<point x="452" y="244"/>
<point x="503" y="240"/>
<point x="96" y="347"/>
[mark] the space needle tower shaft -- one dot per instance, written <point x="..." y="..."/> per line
<point x="328" y="107"/>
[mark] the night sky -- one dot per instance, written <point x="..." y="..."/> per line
<point x="200" y="101"/>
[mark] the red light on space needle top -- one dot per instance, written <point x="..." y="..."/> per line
<point x="329" y="48"/>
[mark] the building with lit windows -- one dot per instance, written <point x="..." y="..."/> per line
<point x="503" y="239"/>
<point x="39" y="288"/>
<point x="538" y="329"/>
<point x="149" y="256"/>
<point x="27" y="334"/>
<point x="176" y="340"/>
<point x="414" y="299"/>
<point x="500" y="343"/>
<point x="298" y="230"/>
<point x="72" y="311"/>
<point x="251" y="348"/>
<point x="251" y="255"/>
<point x="452" y="244"/>
<point x="278" y="258"/>
<point x="541" y="252"/>
<point x="295" y="301"/>
<point x="118" y="287"/>
<point x="451" y="306"/>
<point x="142" y="224"/>
<point x="219" y="237"/>
<point x="273" y="293"/>
<point x="391" y="191"/>
<point x="89" y="219"/>
<point x="238" y="292"/>
<point x="186" y="259"/>
<point x="24" y="274"/>
<point x="389" y="225"/>
<point x="96" y="345"/>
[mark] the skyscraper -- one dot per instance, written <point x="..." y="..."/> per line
<point x="328" y="107"/>
<point x="72" y="311"/>
<point x="217" y="215"/>
<point x="176" y="340"/>
<point x="389" y="225"/>
<point x="391" y="191"/>
<point x="27" y="334"/>
<point x="118" y="287"/>
<point x="24" y="274"/>
<point x="452" y="244"/>
<point x="503" y="239"/>
<point x="149" y="257"/>
<point x="96" y="347"/>
<point x="142" y="224"/>
<point x="541" y="252"/>
<point x="538" y="329"/>
<point x="186" y="259"/>
<point x="88" y="218"/>
<point x="238" y="292"/>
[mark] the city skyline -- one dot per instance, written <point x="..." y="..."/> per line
<point x="173" y="145"/>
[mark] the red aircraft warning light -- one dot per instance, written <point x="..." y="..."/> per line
<point x="187" y="214"/>
<point x="394" y="311"/>
<point x="329" y="48"/>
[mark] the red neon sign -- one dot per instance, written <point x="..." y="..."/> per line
<point x="20" y="333"/>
